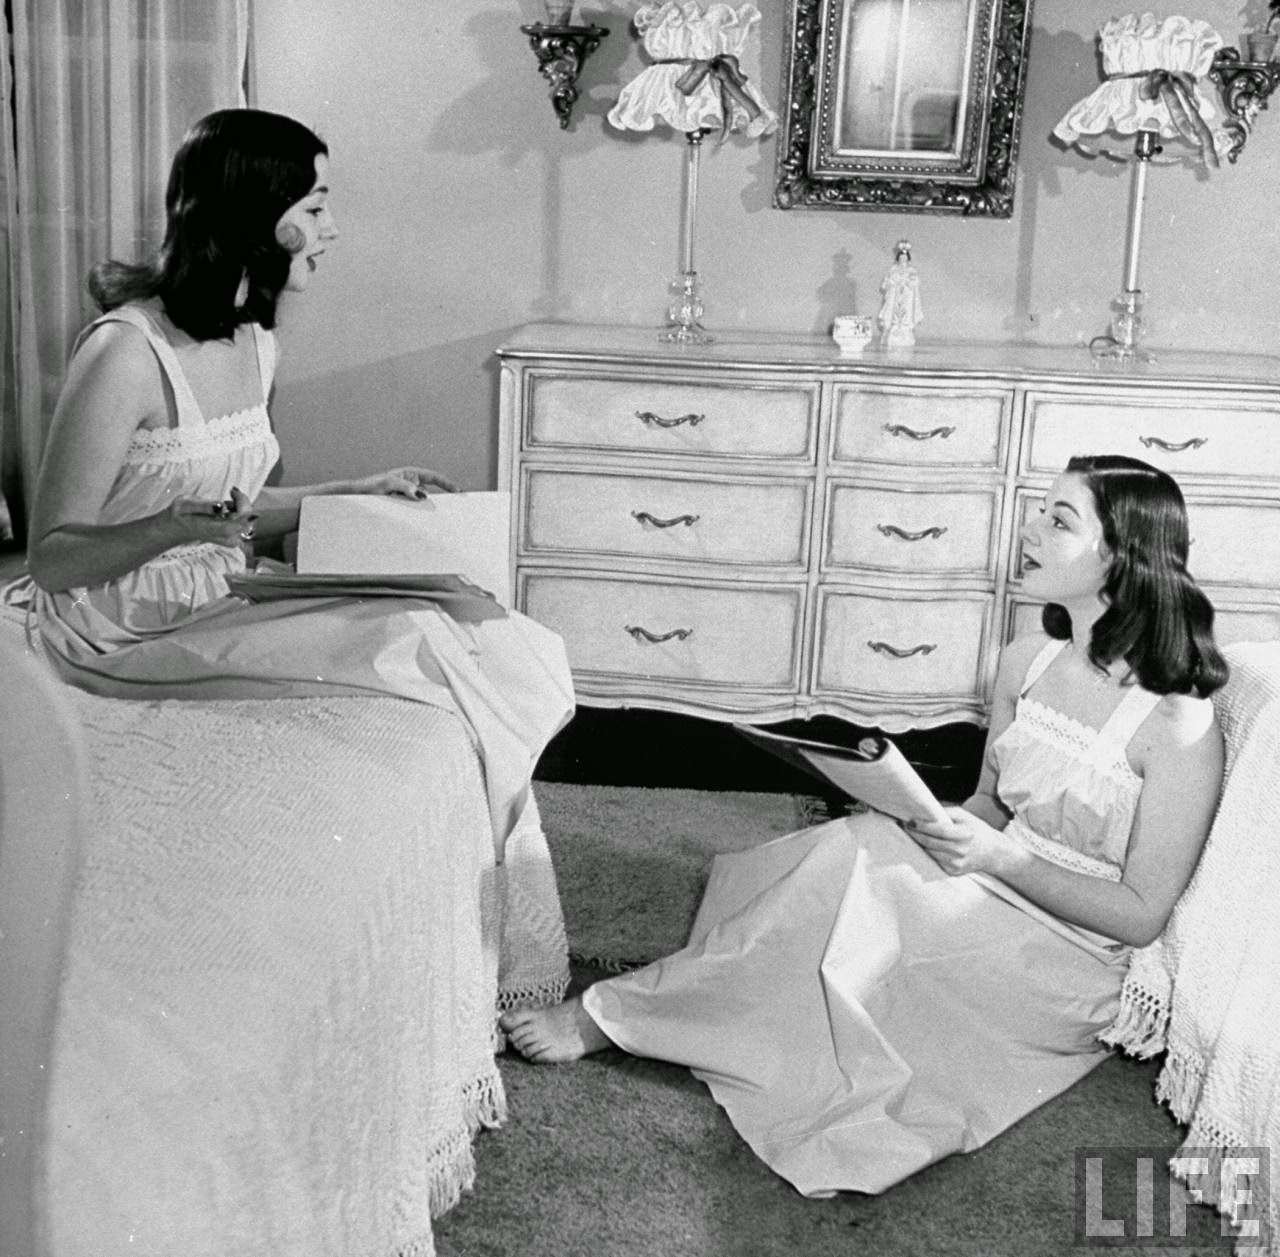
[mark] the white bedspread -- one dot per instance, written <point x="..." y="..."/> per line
<point x="1207" y="992"/>
<point x="288" y="942"/>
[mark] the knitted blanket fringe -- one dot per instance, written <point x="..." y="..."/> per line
<point x="550" y="989"/>
<point x="451" y="1166"/>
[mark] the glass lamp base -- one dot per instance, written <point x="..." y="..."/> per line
<point x="1127" y="326"/>
<point x="685" y="312"/>
<point x="1105" y="349"/>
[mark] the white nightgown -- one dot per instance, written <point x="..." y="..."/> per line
<point x="858" y="1012"/>
<point x="170" y="629"/>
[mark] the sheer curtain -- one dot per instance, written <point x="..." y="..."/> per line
<point x="102" y="92"/>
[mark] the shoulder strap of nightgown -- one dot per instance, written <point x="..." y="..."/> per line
<point x="265" y="344"/>
<point x="188" y="408"/>
<point x="1047" y="654"/>
<point x="1136" y="705"/>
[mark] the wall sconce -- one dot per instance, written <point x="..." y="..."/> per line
<point x="1245" y="84"/>
<point x="561" y="48"/>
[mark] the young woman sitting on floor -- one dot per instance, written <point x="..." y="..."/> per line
<point x="859" y="1004"/>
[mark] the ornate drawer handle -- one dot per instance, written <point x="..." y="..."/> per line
<point x="647" y="416"/>
<point x="892" y="530"/>
<point x="883" y="648"/>
<point x="898" y="429"/>
<point x="643" y="634"/>
<point x="644" y="517"/>
<point x="1174" y="447"/>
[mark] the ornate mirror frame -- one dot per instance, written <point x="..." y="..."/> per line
<point x="977" y="178"/>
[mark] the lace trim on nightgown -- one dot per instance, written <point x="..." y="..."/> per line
<point x="1062" y="855"/>
<point x="225" y="435"/>
<point x="1080" y="737"/>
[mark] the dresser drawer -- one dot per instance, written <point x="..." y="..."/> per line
<point x="940" y="427"/>
<point x="670" y="415"/>
<point x="1234" y="542"/>
<point x="904" y="530"/>
<point x="732" y="635"/>
<point x="921" y="647"/>
<point x="761" y="523"/>
<point x="1180" y="432"/>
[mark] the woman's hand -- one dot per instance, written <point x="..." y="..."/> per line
<point x="966" y="845"/>
<point x="226" y="523"/>
<point x="404" y="482"/>
<point x="281" y="506"/>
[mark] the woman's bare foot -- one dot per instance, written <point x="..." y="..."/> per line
<point x="563" y="1032"/>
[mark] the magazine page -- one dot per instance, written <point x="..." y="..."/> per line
<point x="874" y="771"/>
<point x="468" y="533"/>
<point x="463" y="599"/>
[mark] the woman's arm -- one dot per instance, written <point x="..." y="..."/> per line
<point x="1015" y="659"/>
<point x="1181" y="757"/>
<point x="113" y="387"/>
<point x="278" y="507"/>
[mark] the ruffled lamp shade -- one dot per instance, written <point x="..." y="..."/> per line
<point x="1150" y="108"/>
<point x="681" y="40"/>
<point x="1153" y="70"/>
<point x="694" y="85"/>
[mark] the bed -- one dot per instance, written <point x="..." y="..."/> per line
<point x="287" y="944"/>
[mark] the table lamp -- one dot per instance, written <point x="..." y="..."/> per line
<point x="1149" y="108"/>
<point x="694" y="86"/>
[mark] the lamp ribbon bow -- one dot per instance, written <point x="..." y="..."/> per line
<point x="1176" y="90"/>
<point x="730" y="79"/>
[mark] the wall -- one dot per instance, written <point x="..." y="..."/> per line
<point x="466" y="211"/>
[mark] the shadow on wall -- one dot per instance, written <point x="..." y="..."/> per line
<point x="1064" y="66"/>
<point x="529" y="125"/>
<point x="399" y="412"/>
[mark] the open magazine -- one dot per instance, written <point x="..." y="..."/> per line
<point x="467" y="533"/>
<point x="874" y="771"/>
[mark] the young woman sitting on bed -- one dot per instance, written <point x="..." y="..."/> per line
<point x="856" y="1002"/>
<point x="154" y="479"/>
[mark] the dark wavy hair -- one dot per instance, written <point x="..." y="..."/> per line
<point x="234" y="175"/>
<point x="1157" y="618"/>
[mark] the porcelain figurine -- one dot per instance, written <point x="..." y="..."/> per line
<point x="900" y="309"/>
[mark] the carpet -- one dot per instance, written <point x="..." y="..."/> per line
<point x="632" y="862"/>
<point x="619" y="1157"/>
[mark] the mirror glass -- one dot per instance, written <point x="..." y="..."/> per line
<point x="903" y="105"/>
<point x="907" y="65"/>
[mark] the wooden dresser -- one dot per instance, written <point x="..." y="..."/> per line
<point x="761" y="528"/>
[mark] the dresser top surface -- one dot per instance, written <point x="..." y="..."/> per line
<point x="744" y="350"/>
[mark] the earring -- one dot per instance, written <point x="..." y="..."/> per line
<point x="289" y="236"/>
